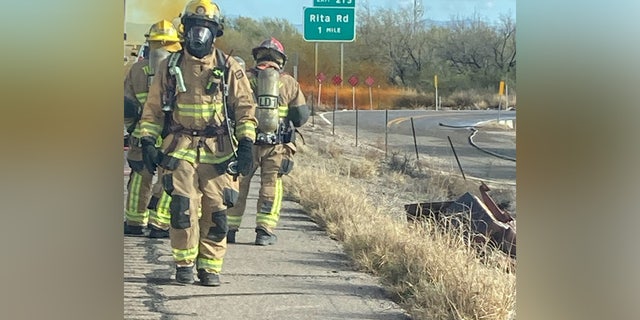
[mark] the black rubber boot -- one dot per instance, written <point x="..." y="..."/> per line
<point x="208" y="279"/>
<point x="184" y="274"/>
<point x="133" y="230"/>
<point x="231" y="236"/>
<point x="157" y="233"/>
<point x="264" y="238"/>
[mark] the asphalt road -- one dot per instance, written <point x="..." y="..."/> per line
<point x="432" y="138"/>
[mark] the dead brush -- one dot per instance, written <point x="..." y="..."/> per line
<point x="405" y="165"/>
<point x="431" y="269"/>
<point x="357" y="168"/>
<point x="330" y="149"/>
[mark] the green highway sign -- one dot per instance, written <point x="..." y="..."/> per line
<point x="329" y="24"/>
<point x="335" y="3"/>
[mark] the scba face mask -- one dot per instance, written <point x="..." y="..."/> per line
<point x="199" y="41"/>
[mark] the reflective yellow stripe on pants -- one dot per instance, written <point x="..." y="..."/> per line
<point x="161" y="215"/>
<point x="185" y="255"/>
<point x="270" y="219"/>
<point x="209" y="265"/>
<point x="131" y="211"/>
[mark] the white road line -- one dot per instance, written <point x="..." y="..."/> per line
<point x="323" y="118"/>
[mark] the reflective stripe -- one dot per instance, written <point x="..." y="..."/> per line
<point x="209" y="265"/>
<point x="246" y="129"/>
<point x="205" y="111"/>
<point x="162" y="215"/>
<point x="142" y="97"/>
<point x="150" y="129"/>
<point x="146" y="70"/>
<point x="185" y="154"/>
<point x="188" y="255"/>
<point x="137" y="132"/>
<point x="234" y="221"/>
<point x="283" y="111"/>
<point x="205" y="156"/>
<point x="270" y="219"/>
<point x="131" y="211"/>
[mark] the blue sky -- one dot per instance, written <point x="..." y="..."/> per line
<point x="292" y="10"/>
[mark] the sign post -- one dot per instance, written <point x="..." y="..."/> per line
<point x="320" y="77"/>
<point x="353" y="81"/>
<point x="330" y="21"/>
<point x="369" y="81"/>
<point x="435" y="84"/>
<point x="500" y="93"/>
<point x="337" y="80"/>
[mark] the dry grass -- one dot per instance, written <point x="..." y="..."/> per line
<point x="431" y="269"/>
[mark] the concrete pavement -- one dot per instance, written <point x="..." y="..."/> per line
<point x="305" y="275"/>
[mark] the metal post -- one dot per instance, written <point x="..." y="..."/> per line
<point x="356" y="127"/>
<point x="341" y="62"/>
<point x="436" y="98"/>
<point x="456" y="155"/>
<point x="313" y="113"/>
<point x="370" y="99"/>
<point x="333" y="120"/>
<point x="435" y="85"/>
<point x="353" y="95"/>
<point x="506" y="89"/>
<point x="386" y="120"/>
<point x="415" y="143"/>
<point x="315" y="72"/>
<point x="499" y="107"/>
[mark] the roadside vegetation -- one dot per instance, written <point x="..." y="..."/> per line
<point x="402" y="50"/>
<point x="427" y="267"/>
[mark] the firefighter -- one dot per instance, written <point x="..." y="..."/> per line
<point x="194" y="91"/>
<point x="145" y="205"/>
<point x="281" y="108"/>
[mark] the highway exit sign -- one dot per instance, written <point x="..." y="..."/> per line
<point x="335" y="3"/>
<point x="329" y="24"/>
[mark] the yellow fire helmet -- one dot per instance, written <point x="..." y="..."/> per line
<point x="163" y="31"/>
<point x="178" y="25"/>
<point x="205" y="10"/>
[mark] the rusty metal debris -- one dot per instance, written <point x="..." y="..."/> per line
<point x="486" y="219"/>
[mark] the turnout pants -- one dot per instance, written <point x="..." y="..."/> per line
<point x="159" y="215"/>
<point x="274" y="161"/>
<point x="147" y="203"/>
<point x="200" y="240"/>
<point x="139" y="210"/>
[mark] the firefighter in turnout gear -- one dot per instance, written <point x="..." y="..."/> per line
<point x="146" y="205"/>
<point x="281" y="108"/>
<point x="193" y="92"/>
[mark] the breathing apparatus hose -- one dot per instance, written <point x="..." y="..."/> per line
<point x="232" y="167"/>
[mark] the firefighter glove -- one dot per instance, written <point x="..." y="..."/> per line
<point x="245" y="157"/>
<point x="150" y="154"/>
